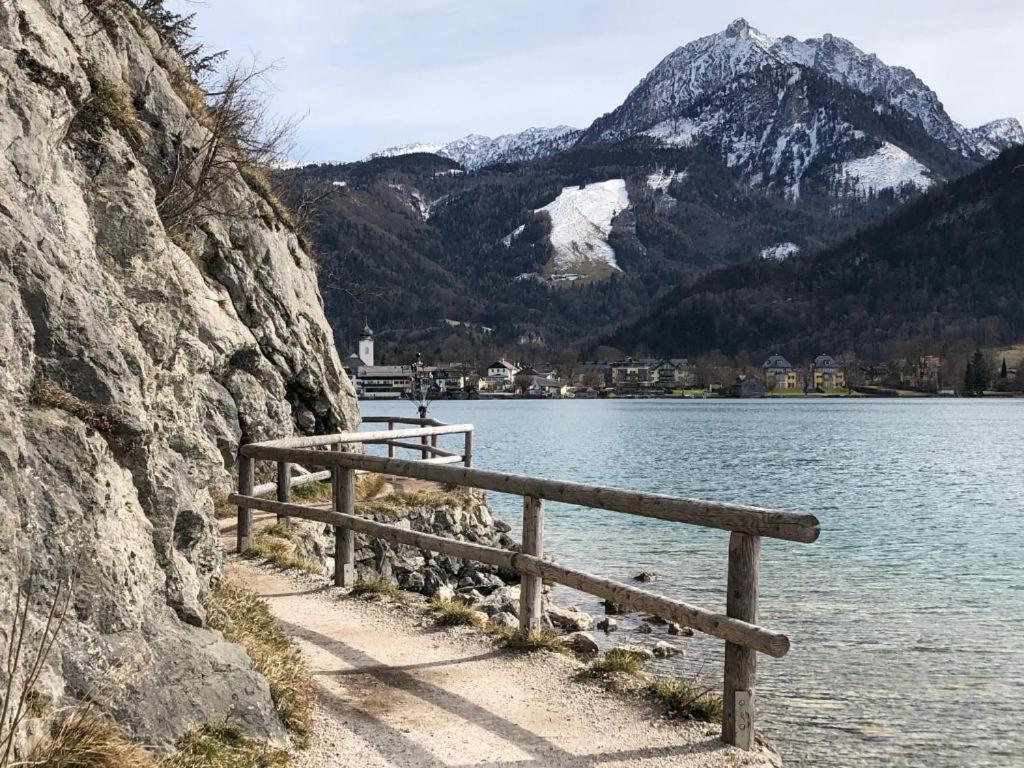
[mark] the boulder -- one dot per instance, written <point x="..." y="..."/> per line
<point x="611" y="609"/>
<point x="502" y="600"/>
<point x="665" y="650"/>
<point x="569" y="618"/>
<point x="644" y="628"/>
<point x="646" y="577"/>
<point x="676" y="629"/>
<point x="580" y="642"/>
<point x="444" y="594"/>
<point x="503" y="619"/>
<point x="608" y="624"/>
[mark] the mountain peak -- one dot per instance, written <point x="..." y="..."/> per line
<point x="738" y="27"/>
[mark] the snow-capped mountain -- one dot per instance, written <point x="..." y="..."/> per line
<point x="789" y="113"/>
<point x="475" y="150"/>
<point x="992" y="138"/>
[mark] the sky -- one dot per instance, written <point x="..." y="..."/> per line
<point x="368" y="74"/>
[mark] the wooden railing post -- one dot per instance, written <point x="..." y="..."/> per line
<point x="244" y="532"/>
<point x="530" y="587"/>
<point x="344" y="496"/>
<point x="424" y="440"/>
<point x="740" y="662"/>
<point x="391" y="448"/>
<point x="467" y="452"/>
<point x="284" y="489"/>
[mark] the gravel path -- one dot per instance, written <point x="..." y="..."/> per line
<point x="396" y="691"/>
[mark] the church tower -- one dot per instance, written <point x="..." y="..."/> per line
<point x="366" y="346"/>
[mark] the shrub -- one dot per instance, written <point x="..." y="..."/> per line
<point x="224" y="746"/>
<point x="315" y="492"/>
<point x="107" y="105"/>
<point x="245" y="619"/>
<point x="688" y="700"/>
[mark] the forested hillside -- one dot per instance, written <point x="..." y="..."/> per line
<point x="946" y="270"/>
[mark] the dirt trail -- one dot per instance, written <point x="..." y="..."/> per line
<point x="396" y="691"/>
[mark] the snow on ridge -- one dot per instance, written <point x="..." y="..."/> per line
<point x="779" y="251"/>
<point x="889" y="167"/>
<point x="477" y="150"/>
<point x="581" y="220"/>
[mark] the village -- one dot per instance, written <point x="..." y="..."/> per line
<point x="648" y="377"/>
<point x="628" y="377"/>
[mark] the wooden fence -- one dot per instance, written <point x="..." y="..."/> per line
<point x="744" y="638"/>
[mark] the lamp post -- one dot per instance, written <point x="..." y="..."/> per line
<point x="419" y="389"/>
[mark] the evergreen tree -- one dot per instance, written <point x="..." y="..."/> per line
<point x="981" y="374"/>
<point x="969" y="379"/>
<point x="1002" y="370"/>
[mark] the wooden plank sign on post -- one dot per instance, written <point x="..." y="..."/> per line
<point x="740" y="662"/>
<point x="530" y="587"/>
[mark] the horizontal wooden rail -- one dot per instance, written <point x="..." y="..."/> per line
<point x="402" y="420"/>
<point x="718" y="625"/>
<point x="296" y="482"/>
<point x="318" y="441"/>
<point x="415" y="447"/>
<point x="755" y="521"/>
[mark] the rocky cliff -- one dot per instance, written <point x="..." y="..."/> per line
<point x="134" y="362"/>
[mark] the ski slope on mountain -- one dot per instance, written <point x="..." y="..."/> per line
<point x="581" y="220"/>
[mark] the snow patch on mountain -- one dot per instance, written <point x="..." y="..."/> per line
<point x="889" y="167"/>
<point x="779" y="251"/>
<point x="660" y="179"/>
<point x="507" y="239"/>
<point x="581" y="220"/>
<point x="476" y="150"/>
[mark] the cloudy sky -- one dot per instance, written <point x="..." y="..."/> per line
<point x="368" y="74"/>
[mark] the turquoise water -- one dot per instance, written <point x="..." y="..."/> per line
<point x="906" y="617"/>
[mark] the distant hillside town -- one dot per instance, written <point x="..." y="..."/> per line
<point x="708" y="375"/>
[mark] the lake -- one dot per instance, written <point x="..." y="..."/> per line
<point x="906" y="617"/>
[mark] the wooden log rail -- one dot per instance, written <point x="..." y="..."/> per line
<point x="738" y="626"/>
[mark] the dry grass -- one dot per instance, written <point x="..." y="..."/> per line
<point x="619" y="660"/>
<point x="377" y="589"/>
<point x="245" y="619"/>
<point x="368" y="486"/>
<point x="311" y="492"/>
<point x="537" y="640"/>
<point x="223" y="746"/>
<point x="85" y="738"/>
<point x="280" y="551"/>
<point x="46" y="393"/>
<point x="448" y="613"/>
<point x="393" y="505"/>
<point x="688" y="700"/>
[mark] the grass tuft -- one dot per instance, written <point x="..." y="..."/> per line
<point x="377" y="589"/>
<point x="448" y="613"/>
<point x="279" y="551"/>
<point x="85" y="738"/>
<point x="537" y="640"/>
<point x="224" y="746"/>
<point x="245" y="619"/>
<point x="619" y="660"/>
<point x="687" y="700"/>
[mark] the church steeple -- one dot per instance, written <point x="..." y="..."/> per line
<point x="366" y="345"/>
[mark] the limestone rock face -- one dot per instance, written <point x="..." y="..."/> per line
<point x="130" y="370"/>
